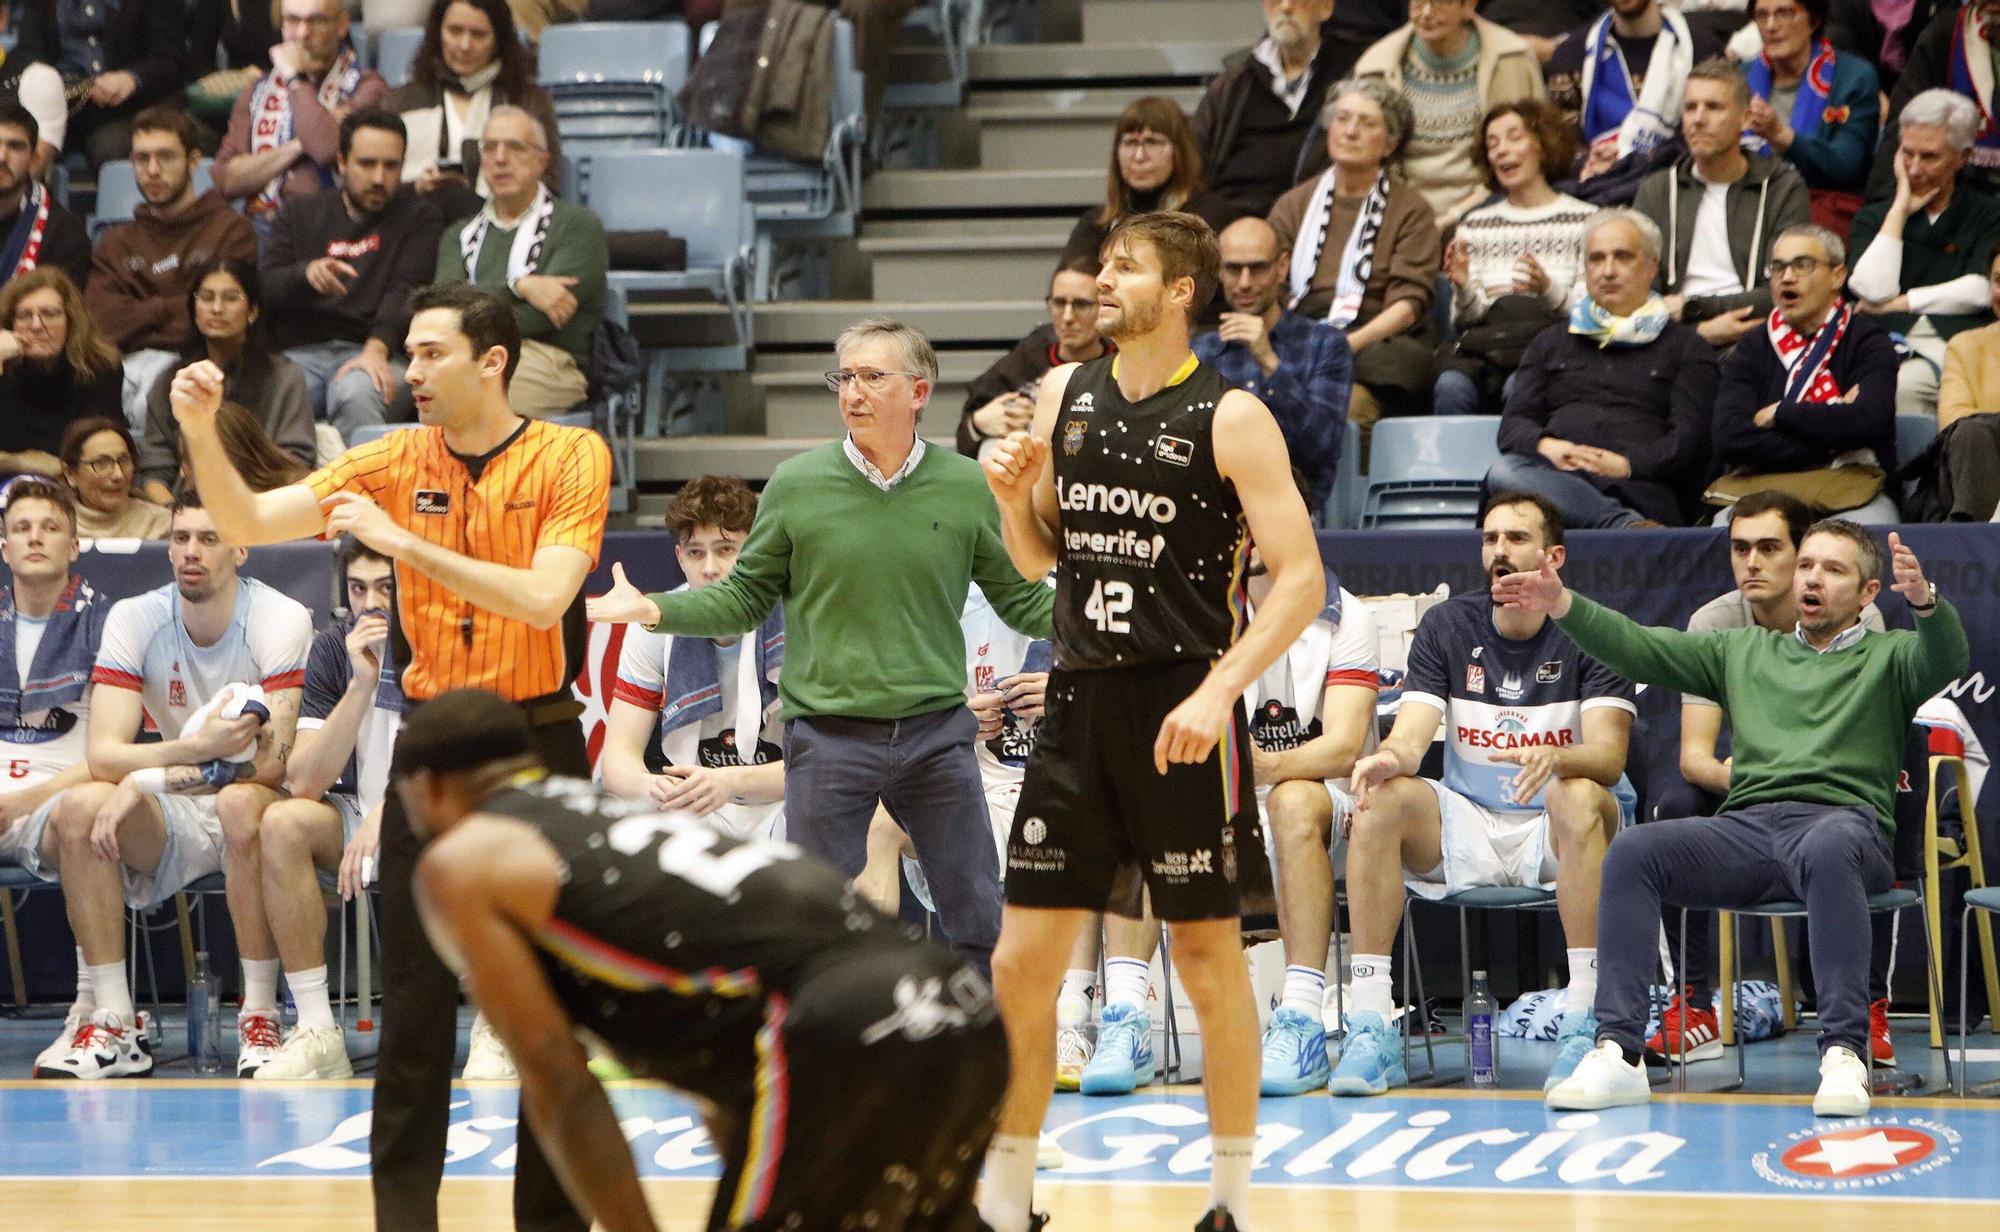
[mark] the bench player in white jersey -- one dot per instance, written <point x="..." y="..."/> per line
<point x="329" y="823"/>
<point x="148" y="823"/>
<point x="50" y="624"/>
<point x="1312" y="715"/>
<point x="703" y="711"/>
<point x="1535" y="743"/>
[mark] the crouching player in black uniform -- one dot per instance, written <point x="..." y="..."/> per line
<point x="744" y="973"/>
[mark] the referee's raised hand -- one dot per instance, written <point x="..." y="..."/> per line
<point x="196" y="393"/>
<point x="623" y="604"/>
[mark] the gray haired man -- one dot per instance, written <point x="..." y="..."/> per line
<point x="1921" y="257"/>
<point x="871" y="542"/>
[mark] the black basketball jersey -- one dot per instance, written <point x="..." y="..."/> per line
<point x="1151" y="547"/>
<point x="670" y="937"/>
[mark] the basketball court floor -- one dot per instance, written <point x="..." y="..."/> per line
<point x="176" y="1152"/>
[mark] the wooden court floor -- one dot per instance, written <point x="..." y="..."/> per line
<point x="166" y="1156"/>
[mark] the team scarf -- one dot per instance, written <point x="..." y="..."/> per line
<point x="1808" y="361"/>
<point x="1609" y="108"/>
<point x="272" y="124"/>
<point x="1809" y="111"/>
<point x="1357" y="259"/>
<point x="1587" y="320"/>
<point x="1972" y="76"/>
<point x="693" y="689"/>
<point x="24" y="242"/>
<point x="61" y="668"/>
<point x="530" y="233"/>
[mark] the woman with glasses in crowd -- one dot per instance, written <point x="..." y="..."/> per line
<point x="99" y="461"/>
<point x="471" y="61"/>
<point x="1002" y="399"/>
<point x="225" y="305"/>
<point x="1155" y="165"/>
<point x="55" y="368"/>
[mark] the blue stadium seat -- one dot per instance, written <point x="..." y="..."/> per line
<point x="624" y="188"/>
<point x="13" y="878"/>
<point x="1913" y="434"/>
<point x="118" y="194"/>
<point x="1343" y="508"/>
<point x="796" y="200"/>
<point x="394" y="50"/>
<point x="616" y="85"/>
<point x="1427" y="470"/>
<point x="358" y="36"/>
<point x="373" y="432"/>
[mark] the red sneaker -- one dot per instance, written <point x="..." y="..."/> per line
<point x="1879" y="1043"/>
<point x="1697" y="1023"/>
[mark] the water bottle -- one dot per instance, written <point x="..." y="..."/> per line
<point x="1479" y="1040"/>
<point x="204" y="1011"/>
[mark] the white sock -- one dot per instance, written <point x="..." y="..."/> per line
<point x="1126" y="981"/>
<point x="1369" y="973"/>
<point x="1229" y="1178"/>
<point x="1582" y="980"/>
<point x="260" y="983"/>
<point x="107" y="982"/>
<point x="1007" y="1188"/>
<point x="1073" y="1002"/>
<point x="310" y="996"/>
<point x="86" y="996"/>
<point x="1305" y="991"/>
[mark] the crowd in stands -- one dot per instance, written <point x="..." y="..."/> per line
<point x="1686" y="284"/>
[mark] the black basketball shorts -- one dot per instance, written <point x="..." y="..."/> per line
<point x="1096" y="820"/>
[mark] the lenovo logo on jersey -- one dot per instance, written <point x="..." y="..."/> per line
<point x="1097" y="498"/>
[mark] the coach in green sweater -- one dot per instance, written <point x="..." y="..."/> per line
<point x="871" y="544"/>
<point x="1820" y="715"/>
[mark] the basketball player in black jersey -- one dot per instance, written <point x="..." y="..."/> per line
<point x="1141" y="483"/>
<point x="746" y="974"/>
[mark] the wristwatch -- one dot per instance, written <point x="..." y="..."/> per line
<point x="1925" y="609"/>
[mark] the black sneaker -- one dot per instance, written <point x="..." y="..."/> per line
<point x="1037" y="1221"/>
<point x="1217" y="1220"/>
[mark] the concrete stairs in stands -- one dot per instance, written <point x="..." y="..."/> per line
<point x="962" y="250"/>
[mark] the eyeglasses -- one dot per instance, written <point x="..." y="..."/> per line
<point x="1797" y="266"/>
<point x="510" y="147"/>
<point x="1362" y="120"/>
<point x="44" y="316"/>
<point x="1255" y="269"/>
<point x="1058" y="305"/>
<point x="211" y="299"/>
<point x="868" y="378"/>
<point x="107" y="464"/>
<point x="1144" y="145"/>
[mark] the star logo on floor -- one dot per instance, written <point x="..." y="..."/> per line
<point x="1859" y="1152"/>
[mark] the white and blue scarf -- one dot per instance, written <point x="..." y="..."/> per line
<point x="693" y="691"/>
<point x="1609" y="106"/>
<point x="1809" y="111"/>
<point x="61" y="668"/>
<point x="1587" y="320"/>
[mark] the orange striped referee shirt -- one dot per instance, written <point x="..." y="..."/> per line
<point x="547" y="486"/>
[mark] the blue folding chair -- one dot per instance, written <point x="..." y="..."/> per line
<point x="616" y="85"/>
<point x="1986" y="901"/>
<point x="1426" y="471"/>
<point x="395" y="50"/>
<point x="1343" y="507"/>
<point x="624" y="188"/>
<point x="118" y="194"/>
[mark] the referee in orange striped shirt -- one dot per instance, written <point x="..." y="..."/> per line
<point x="493" y="522"/>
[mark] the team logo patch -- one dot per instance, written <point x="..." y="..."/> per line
<point x="177" y="694"/>
<point x="1033" y="831"/>
<point x="1877" y="1151"/>
<point x="1511" y="688"/>
<point x="432" y="501"/>
<point x="1550" y="672"/>
<point x="1082" y="404"/>
<point x="1175" y="449"/>
<point x="1073" y="435"/>
<point x="1475" y="679"/>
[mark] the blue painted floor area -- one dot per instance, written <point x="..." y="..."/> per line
<point x="1738" y="1147"/>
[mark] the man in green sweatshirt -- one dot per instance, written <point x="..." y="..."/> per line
<point x="1820" y="715"/>
<point x="871" y="543"/>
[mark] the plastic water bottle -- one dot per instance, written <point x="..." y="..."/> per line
<point x="1479" y="1040"/>
<point x="204" y="1011"/>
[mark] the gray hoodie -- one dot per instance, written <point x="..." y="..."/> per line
<point x="1770" y="197"/>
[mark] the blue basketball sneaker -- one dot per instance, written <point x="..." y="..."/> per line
<point x="1573" y="1043"/>
<point x="1294" y="1054"/>
<point x="1371" y="1058"/>
<point x="1124" y="1058"/>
